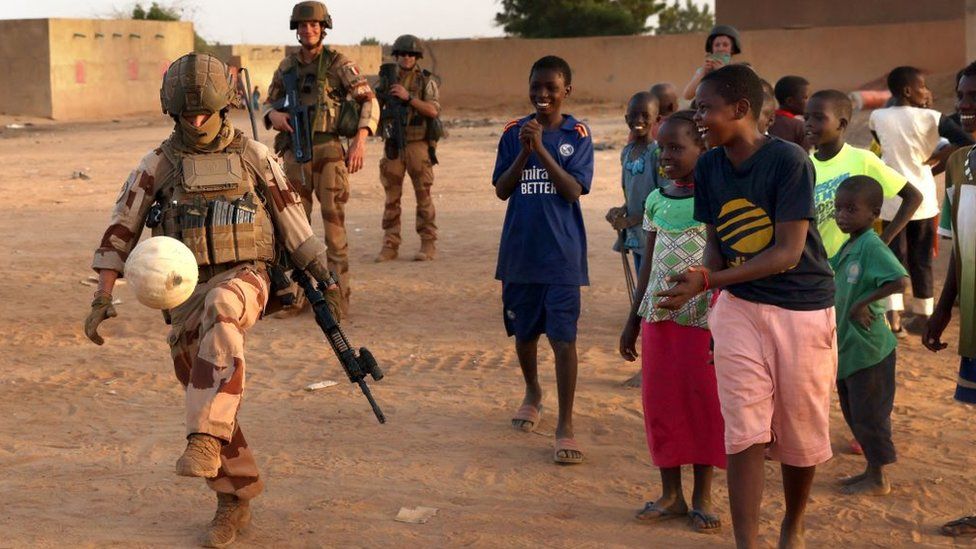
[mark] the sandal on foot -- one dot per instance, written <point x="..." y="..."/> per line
<point x="652" y="512"/>
<point x="527" y="417"/>
<point x="567" y="451"/>
<point x="705" y="523"/>
<point x="965" y="526"/>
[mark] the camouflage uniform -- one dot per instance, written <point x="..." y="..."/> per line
<point x="326" y="176"/>
<point x="208" y="330"/>
<point x="415" y="160"/>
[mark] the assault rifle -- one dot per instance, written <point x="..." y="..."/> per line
<point x="357" y="365"/>
<point x="393" y="117"/>
<point x="280" y="287"/>
<point x="299" y="116"/>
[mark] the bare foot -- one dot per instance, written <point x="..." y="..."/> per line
<point x="634" y="382"/>
<point x="791" y="538"/>
<point x="853" y="479"/>
<point x="868" y="487"/>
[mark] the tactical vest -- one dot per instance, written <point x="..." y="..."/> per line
<point x="321" y="88"/>
<point x="210" y="203"/>
<point x="415" y="83"/>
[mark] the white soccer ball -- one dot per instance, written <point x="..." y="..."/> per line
<point x="162" y="272"/>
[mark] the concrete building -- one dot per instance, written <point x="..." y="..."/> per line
<point x="86" y="68"/>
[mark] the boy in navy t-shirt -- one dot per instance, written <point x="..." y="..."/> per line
<point x="544" y="164"/>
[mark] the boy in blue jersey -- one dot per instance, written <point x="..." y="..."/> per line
<point x="544" y="164"/>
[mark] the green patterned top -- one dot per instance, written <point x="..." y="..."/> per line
<point x="680" y="243"/>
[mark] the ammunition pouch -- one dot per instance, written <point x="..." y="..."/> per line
<point x="435" y="130"/>
<point x="347" y="122"/>
<point x="212" y="207"/>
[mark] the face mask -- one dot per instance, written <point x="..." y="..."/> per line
<point x="203" y="135"/>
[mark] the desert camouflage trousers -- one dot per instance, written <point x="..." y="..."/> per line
<point x="327" y="180"/>
<point x="207" y="344"/>
<point x="414" y="161"/>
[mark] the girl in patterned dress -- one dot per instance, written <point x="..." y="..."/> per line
<point x="682" y="417"/>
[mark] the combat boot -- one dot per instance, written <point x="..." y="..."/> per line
<point x="233" y="516"/>
<point x="388" y="253"/>
<point x="201" y="457"/>
<point x="427" y="251"/>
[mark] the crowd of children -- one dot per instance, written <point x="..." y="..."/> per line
<point x="763" y="272"/>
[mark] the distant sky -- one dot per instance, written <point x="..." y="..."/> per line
<point x="266" y="21"/>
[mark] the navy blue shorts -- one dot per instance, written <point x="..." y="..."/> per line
<point x="531" y="310"/>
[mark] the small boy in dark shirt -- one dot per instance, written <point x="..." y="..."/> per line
<point x="544" y="165"/>
<point x="792" y="93"/>
<point x="773" y="325"/>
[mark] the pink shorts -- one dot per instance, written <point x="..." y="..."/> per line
<point x="776" y="370"/>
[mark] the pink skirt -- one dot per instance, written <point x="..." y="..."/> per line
<point x="682" y="415"/>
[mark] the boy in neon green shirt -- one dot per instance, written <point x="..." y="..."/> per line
<point x="828" y="113"/>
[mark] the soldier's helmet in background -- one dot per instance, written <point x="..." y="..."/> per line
<point x="408" y="43"/>
<point x="310" y="11"/>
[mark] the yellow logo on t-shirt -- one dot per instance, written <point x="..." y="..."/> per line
<point x="744" y="227"/>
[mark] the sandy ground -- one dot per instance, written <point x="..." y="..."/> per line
<point x="89" y="435"/>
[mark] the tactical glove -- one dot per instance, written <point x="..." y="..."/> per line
<point x="101" y="308"/>
<point x="333" y="295"/>
<point x="333" y="298"/>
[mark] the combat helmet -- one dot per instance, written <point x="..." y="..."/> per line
<point x="196" y="82"/>
<point x="310" y="11"/>
<point x="724" y="30"/>
<point x="408" y="43"/>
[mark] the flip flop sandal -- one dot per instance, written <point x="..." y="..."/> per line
<point x="662" y="513"/>
<point x="700" y="520"/>
<point x="965" y="526"/>
<point x="529" y="416"/>
<point x="564" y="449"/>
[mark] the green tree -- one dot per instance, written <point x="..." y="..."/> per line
<point x="157" y="12"/>
<point x="566" y="18"/>
<point x="678" y="19"/>
<point x="369" y="41"/>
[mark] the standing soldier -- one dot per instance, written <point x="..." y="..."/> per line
<point x="411" y="129"/>
<point x="207" y="167"/>
<point x="325" y="78"/>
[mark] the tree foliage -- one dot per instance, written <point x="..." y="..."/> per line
<point x="369" y="41"/>
<point x="566" y="18"/>
<point x="678" y="19"/>
<point x="157" y="12"/>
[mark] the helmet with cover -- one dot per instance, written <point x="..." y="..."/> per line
<point x="310" y="11"/>
<point x="408" y="43"/>
<point x="196" y="82"/>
